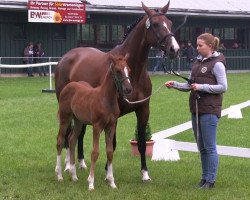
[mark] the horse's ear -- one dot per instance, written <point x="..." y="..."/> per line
<point x="146" y="9"/>
<point x="165" y="8"/>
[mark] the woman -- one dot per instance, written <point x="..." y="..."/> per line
<point x="209" y="81"/>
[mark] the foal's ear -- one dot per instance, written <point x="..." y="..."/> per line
<point x="165" y="8"/>
<point x="146" y="9"/>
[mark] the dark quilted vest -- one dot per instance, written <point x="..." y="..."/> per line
<point x="202" y="74"/>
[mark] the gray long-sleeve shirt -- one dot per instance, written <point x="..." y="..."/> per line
<point x="219" y="72"/>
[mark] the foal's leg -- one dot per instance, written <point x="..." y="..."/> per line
<point x="72" y="144"/>
<point x="82" y="164"/>
<point x="109" y="135"/>
<point x="60" y="141"/>
<point x="66" y="146"/>
<point x="114" y="146"/>
<point x="94" y="155"/>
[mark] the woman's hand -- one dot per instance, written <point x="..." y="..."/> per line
<point x="195" y="86"/>
<point x="169" y="84"/>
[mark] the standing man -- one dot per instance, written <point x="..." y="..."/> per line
<point x="205" y="101"/>
<point x="38" y="55"/>
<point x="28" y="57"/>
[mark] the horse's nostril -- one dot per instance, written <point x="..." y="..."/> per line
<point x="172" y="49"/>
<point x="128" y="91"/>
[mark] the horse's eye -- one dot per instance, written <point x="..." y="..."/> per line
<point x="155" y="25"/>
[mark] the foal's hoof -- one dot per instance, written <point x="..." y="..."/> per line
<point x="59" y="178"/>
<point x="67" y="168"/>
<point x="91" y="188"/>
<point x="74" y="179"/>
<point x="145" y="176"/>
<point x="111" y="182"/>
<point x="82" y="164"/>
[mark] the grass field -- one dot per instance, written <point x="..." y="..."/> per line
<point x="28" y="129"/>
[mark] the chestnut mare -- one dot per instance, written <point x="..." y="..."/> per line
<point x="89" y="64"/>
<point x="97" y="106"/>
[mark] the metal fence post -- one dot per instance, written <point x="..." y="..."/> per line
<point x="0" y="65"/>
<point x="50" y="76"/>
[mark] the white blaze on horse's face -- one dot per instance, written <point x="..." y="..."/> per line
<point x="126" y="73"/>
<point x="173" y="40"/>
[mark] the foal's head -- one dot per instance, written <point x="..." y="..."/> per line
<point x="120" y="71"/>
<point x="159" y="32"/>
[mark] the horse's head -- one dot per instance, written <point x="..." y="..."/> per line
<point x="159" y="33"/>
<point x="120" y="71"/>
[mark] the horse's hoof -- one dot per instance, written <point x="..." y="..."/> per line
<point x="145" y="176"/>
<point x="82" y="164"/>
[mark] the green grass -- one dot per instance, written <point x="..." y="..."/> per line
<point x="28" y="129"/>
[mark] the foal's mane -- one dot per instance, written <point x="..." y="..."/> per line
<point x="130" y="28"/>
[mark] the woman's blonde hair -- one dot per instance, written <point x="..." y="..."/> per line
<point x="210" y="39"/>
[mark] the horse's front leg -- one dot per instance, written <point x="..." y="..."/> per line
<point x="82" y="164"/>
<point x="109" y="135"/>
<point x="142" y="120"/>
<point x="94" y="155"/>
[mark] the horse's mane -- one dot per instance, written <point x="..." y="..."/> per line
<point x="130" y="28"/>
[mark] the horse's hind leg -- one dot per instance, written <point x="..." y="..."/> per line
<point x="82" y="164"/>
<point x="142" y="119"/>
<point x="109" y="135"/>
<point x="72" y="143"/>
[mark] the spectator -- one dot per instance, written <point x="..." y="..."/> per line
<point x="235" y="45"/>
<point x="222" y="46"/>
<point x="38" y="54"/>
<point x="28" y="58"/>
<point x="159" y="63"/>
<point x="190" y="54"/>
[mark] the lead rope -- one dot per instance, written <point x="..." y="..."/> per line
<point x="142" y="100"/>
<point x="197" y="124"/>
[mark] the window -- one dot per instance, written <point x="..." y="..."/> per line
<point x="85" y="32"/>
<point x="186" y="34"/>
<point x="59" y="32"/>
<point x="103" y="34"/>
<point x="19" y="31"/>
<point x="229" y="34"/>
<point x="117" y="33"/>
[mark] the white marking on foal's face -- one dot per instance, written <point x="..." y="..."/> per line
<point x="126" y="73"/>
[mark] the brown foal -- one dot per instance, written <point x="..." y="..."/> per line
<point x="96" y="106"/>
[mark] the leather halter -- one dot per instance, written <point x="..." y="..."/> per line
<point x="117" y="80"/>
<point x="159" y="39"/>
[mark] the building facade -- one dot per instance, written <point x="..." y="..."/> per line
<point x="107" y="22"/>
